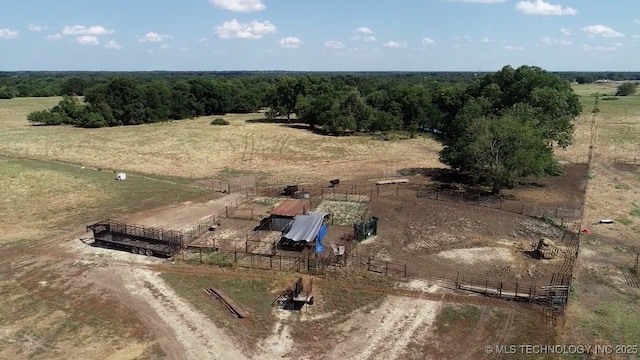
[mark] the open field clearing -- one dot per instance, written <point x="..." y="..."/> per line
<point x="67" y="299"/>
<point x="42" y="198"/>
<point x="195" y="149"/>
<point x="13" y="112"/>
<point x="606" y="284"/>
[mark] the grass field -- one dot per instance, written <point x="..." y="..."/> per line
<point x="600" y="309"/>
<point x="195" y="149"/>
<point x="43" y="198"/>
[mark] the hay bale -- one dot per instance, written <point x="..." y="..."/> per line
<point x="547" y="249"/>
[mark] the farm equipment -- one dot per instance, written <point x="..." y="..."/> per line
<point x="136" y="239"/>
<point x="300" y="294"/>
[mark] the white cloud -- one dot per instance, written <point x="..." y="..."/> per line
<point x="95" y="30"/>
<point x="514" y="48"/>
<point x="395" y="44"/>
<point x="8" y="34"/>
<point x="184" y="49"/>
<point x="113" y="45"/>
<point x="203" y="40"/>
<point x="35" y="28"/>
<point x="87" y="40"/>
<point x="427" y="41"/>
<point x="586" y="47"/>
<point x="457" y="46"/>
<point x="547" y="41"/>
<point x="479" y="1"/>
<point x="363" y="30"/>
<point x="334" y="44"/>
<point x="290" y="42"/>
<point x="153" y="37"/>
<point x="363" y="34"/>
<point x="539" y="7"/>
<point x="239" y="5"/>
<point x="566" y="31"/>
<point x="235" y="29"/>
<point x="637" y="21"/>
<point x="54" y="37"/>
<point x="150" y="51"/>
<point x="601" y="30"/>
<point x="165" y="47"/>
<point x="486" y="40"/>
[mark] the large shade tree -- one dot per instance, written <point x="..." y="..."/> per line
<point x="504" y="126"/>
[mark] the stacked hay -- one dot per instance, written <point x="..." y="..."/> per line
<point x="547" y="249"/>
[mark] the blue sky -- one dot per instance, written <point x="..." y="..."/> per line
<point x="319" y="35"/>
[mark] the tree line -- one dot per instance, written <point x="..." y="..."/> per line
<point x="60" y="83"/>
<point x="497" y="128"/>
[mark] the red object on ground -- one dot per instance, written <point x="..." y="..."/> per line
<point x="586" y="231"/>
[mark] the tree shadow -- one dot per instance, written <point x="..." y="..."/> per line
<point x="533" y="254"/>
<point x="268" y="121"/>
<point x="444" y="176"/>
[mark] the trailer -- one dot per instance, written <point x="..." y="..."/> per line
<point x="136" y="239"/>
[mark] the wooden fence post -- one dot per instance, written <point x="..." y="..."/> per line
<point x="226" y="210"/>
<point x="386" y="269"/>
<point x="405" y="271"/>
<point x="457" y="280"/>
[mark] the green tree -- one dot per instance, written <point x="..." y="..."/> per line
<point x="284" y="96"/>
<point x="500" y="150"/>
<point x="45" y="117"/>
<point x="626" y="89"/>
<point x="6" y="92"/>
<point x="537" y="107"/>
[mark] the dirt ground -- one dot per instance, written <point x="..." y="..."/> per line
<point x="435" y="236"/>
<point x="180" y="216"/>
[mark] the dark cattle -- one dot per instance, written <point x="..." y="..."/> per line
<point x="290" y="190"/>
<point x="334" y="182"/>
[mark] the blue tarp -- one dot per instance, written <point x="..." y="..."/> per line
<point x="321" y="235"/>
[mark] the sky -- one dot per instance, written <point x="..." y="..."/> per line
<point x="319" y="35"/>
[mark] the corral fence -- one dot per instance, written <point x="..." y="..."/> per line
<point x="301" y="263"/>
<point x="552" y="294"/>
<point x="495" y="202"/>
<point x="629" y="160"/>
<point x="351" y="176"/>
<point x="368" y="193"/>
<point x="231" y="211"/>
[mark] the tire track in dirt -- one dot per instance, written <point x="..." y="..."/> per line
<point x="385" y="336"/>
<point x="200" y="338"/>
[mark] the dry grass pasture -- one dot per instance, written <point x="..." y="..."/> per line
<point x="603" y="303"/>
<point x="67" y="300"/>
<point x="195" y="149"/>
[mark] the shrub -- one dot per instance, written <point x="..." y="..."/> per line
<point x="626" y="89"/>
<point x="219" y="121"/>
